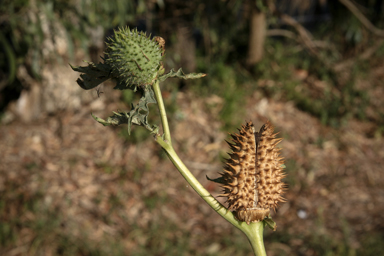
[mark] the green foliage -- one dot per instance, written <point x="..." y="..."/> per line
<point x="332" y="104"/>
<point x="138" y="114"/>
<point x="139" y="135"/>
<point x="132" y="59"/>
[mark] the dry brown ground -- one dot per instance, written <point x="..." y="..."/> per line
<point x="103" y="190"/>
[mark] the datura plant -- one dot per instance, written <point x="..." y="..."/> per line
<point x="251" y="179"/>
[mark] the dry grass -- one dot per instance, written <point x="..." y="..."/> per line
<point x="69" y="186"/>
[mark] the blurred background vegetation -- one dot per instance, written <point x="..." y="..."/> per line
<point x="322" y="60"/>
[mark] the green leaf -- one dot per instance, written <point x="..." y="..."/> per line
<point x="93" y="74"/>
<point x="138" y="114"/>
<point x="270" y="223"/>
<point x="116" y="119"/>
<point x="180" y="74"/>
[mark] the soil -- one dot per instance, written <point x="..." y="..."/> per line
<point x="100" y="187"/>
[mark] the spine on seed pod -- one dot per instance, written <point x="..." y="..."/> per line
<point x="252" y="176"/>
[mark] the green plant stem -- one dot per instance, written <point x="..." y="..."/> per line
<point x="163" y="114"/>
<point x="254" y="231"/>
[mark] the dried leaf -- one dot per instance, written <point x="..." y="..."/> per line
<point x="270" y="223"/>
<point x="218" y="180"/>
<point x="180" y="74"/>
<point x="93" y="74"/>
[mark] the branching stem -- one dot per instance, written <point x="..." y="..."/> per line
<point x="254" y="231"/>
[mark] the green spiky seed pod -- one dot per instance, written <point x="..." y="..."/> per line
<point x="134" y="57"/>
<point x="252" y="176"/>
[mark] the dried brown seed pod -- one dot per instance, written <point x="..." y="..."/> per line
<point x="161" y="42"/>
<point x="252" y="175"/>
